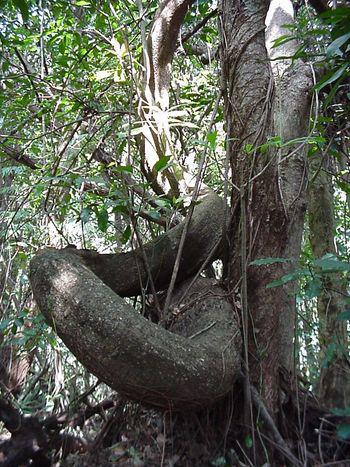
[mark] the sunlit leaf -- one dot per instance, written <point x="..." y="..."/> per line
<point x="248" y="148"/>
<point x="102" y="74"/>
<point x="162" y="163"/>
<point x="124" y="168"/>
<point x="212" y="139"/>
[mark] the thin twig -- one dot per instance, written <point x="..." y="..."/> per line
<point x="269" y="421"/>
<point x="203" y="330"/>
<point x="198" y="26"/>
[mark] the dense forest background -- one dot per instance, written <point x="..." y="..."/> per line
<point x="77" y="173"/>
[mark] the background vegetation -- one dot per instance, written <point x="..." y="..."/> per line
<point x="70" y="174"/>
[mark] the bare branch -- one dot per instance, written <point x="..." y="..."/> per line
<point x="200" y="25"/>
<point x="17" y="155"/>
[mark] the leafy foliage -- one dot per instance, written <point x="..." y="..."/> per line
<point x="71" y="165"/>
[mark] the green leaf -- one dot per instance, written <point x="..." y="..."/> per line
<point x="162" y="163"/>
<point x="124" y="168"/>
<point x="51" y="339"/>
<point x="329" y="263"/>
<point x="22" y="6"/>
<point x="341" y="412"/>
<point x="220" y="461"/>
<point x="306" y="140"/>
<point x="266" y="261"/>
<point x="275" y="141"/>
<point x="334" y="15"/>
<point x="154" y="214"/>
<point x="248" y="441"/>
<point x="293" y="276"/>
<point x="343" y="431"/>
<point x="212" y="139"/>
<point x="126" y="235"/>
<point x="344" y="316"/>
<point x="162" y="203"/>
<point x="85" y="215"/>
<point x="5" y="324"/>
<point x="102" y="219"/>
<point x="330" y="352"/>
<point x="334" y="47"/>
<point x="313" y="288"/>
<point x="343" y="186"/>
<point x="331" y="77"/>
<point x="282" y="40"/>
<point x="264" y="148"/>
<point x="248" y="148"/>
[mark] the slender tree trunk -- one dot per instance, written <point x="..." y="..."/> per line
<point x="334" y="382"/>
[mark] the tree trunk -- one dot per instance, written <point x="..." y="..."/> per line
<point x="334" y="382"/>
<point x="269" y="202"/>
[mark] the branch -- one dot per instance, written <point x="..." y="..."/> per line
<point x="203" y="240"/>
<point x="79" y="418"/>
<point x="260" y="406"/>
<point x="19" y="157"/>
<point x="29" y="72"/>
<point x="159" y="49"/>
<point x="200" y="25"/>
<point x="76" y="290"/>
<point x="205" y="55"/>
<point x="28" y="441"/>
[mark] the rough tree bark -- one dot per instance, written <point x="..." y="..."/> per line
<point x="269" y="203"/>
<point x="77" y="292"/>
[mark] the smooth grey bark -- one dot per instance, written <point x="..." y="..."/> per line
<point x="155" y="141"/>
<point x="138" y="358"/>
